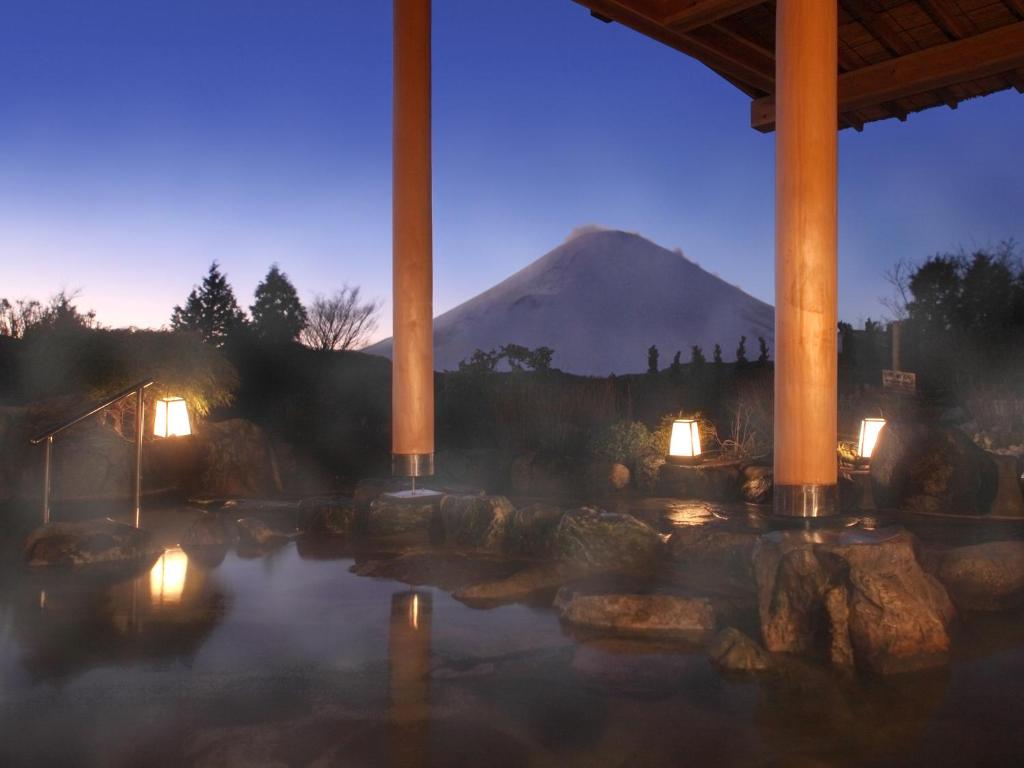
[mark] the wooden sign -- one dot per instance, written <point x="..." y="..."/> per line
<point x="900" y="381"/>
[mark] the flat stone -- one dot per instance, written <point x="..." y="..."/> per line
<point x="669" y="615"/>
<point x="522" y="586"/>
<point x="983" y="577"/>
<point x="88" y="542"/>
<point x="733" y="651"/>
<point x="253" y="533"/>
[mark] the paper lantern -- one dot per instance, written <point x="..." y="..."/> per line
<point x="684" y="445"/>
<point x="171" y="418"/>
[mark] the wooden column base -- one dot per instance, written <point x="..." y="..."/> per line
<point x="806" y="500"/>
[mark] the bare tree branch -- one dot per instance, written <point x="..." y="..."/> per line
<point x="341" y="321"/>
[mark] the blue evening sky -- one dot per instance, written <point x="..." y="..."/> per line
<point x="139" y="140"/>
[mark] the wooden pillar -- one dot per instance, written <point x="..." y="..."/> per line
<point x="412" y="412"/>
<point x="806" y="78"/>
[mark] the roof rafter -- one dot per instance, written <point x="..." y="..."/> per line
<point x="704" y="12"/>
<point x="995" y="52"/>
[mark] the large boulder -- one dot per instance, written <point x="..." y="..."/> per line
<point x="757" y="484"/>
<point x="330" y="515"/>
<point x="867" y="596"/>
<point x="983" y="577"/>
<point x="650" y="615"/>
<point x="711" y="553"/>
<point x="474" y="521"/>
<point x="592" y="538"/>
<point x="931" y="468"/>
<point x="88" y="542"/>
<point x="531" y="530"/>
<point x="390" y="515"/>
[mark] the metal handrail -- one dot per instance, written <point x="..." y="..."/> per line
<point x="137" y="390"/>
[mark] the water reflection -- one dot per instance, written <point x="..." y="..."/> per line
<point x="409" y="635"/>
<point x="69" y="621"/>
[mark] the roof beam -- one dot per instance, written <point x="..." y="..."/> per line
<point x="733" y="66"/>
<point x="704" y="12"/>
<point x="991" y="53"/>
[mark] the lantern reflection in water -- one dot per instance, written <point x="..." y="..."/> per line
<point x="167" y="577"/>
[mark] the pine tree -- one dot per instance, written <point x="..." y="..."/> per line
<point x="677" y="366"/>
<point x="277" y="314"/>
<point x="762" y="357"/>
<point x="697" y="355"/>
<point x="741" y="352"/>
<point x="652" y="359"/>
<point x="210" y="309"/>
<point x="717" y="354"/>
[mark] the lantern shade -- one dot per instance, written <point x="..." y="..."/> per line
<point x="684" y="444"/>
<point x="171" y="418"/>
<point x="869" y="430"/>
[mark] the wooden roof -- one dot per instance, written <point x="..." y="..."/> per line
<point x="895" y="56"/>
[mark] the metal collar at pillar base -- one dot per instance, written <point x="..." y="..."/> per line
<point x="412" y="464"/>
<point x="808" y="500"/>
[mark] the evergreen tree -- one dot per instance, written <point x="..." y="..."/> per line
<point x="277" y="314"/>
<point x="210" y="309"/>
<point x="717" y="354"/>
<point x="652" y="359"/>
<point x="697" y="356"/>
<point x="676" y="367"/>
<point x="741" y="352"/>
<point x="762" y="345"/>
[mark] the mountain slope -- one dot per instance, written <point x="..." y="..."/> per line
<point x="600" y="300"/>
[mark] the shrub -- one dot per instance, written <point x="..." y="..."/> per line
<point x="624" y="442"/>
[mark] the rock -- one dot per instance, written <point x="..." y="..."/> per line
<point x="711" y="481"/>
<point x="733" y="651"/>
<point x="898" y="613"/>
<point x="330" y="516"/>
<point x="592" y="538"/>
<point x="531" y="530"/>
<point x="837" y="608"/>
<point x="655" y="615"/>
<point x="790" y="584"/>
<point x="475" y="521"/>
<point x="253" y="533"/>
<point x="533" y="474"/>
<point x="210" y="530"/>
<point x="757" y="484"/>
<point x="287" y="516"/>
<point x="645" y="472"/>
<point x="390" y="516"/>
<point x="710" y="553"/>
<point x="88" y="542"/>
<point x="602" y="477"/>
<point x="932" y="469"/>
<point x="523" y="586"/>
<point x="983" y="577"/>
<point x="232" y="458"/>
<point x="1009" y="501"/>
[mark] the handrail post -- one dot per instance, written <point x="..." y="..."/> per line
<point x="139" y="418"/>
<point x="46" y="480"/>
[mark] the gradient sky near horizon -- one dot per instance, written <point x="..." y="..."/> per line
<point x="141" y="140"/>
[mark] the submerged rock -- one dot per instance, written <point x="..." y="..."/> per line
<point x="593" y="538"/>
<point x="88" y="542"/>
<point x="933" y="469"/>
<point x="253" y="533"/>
<point x="531" y="530"/>
<point x="734" y="651"/>
<point x="474" y="521"/>
<point x="641" y="614"/>
<point x="210" y="530"/>
<point x="523" y="586"/>
<point x="983" y="577"/>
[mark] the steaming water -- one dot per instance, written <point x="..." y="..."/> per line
<point x="292" y="660"/>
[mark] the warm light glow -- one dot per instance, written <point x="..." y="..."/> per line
<point x="171" y="418"/>
<point x="414" y="612"/>
<point x="685" y="442"/>
<point x="869" y="429"/>
<point x="167" y="578"/>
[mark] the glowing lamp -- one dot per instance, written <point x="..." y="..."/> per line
<point x="171" y="418"/>
<point x="869" y="429"/>
<point x="684" y="445"/>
